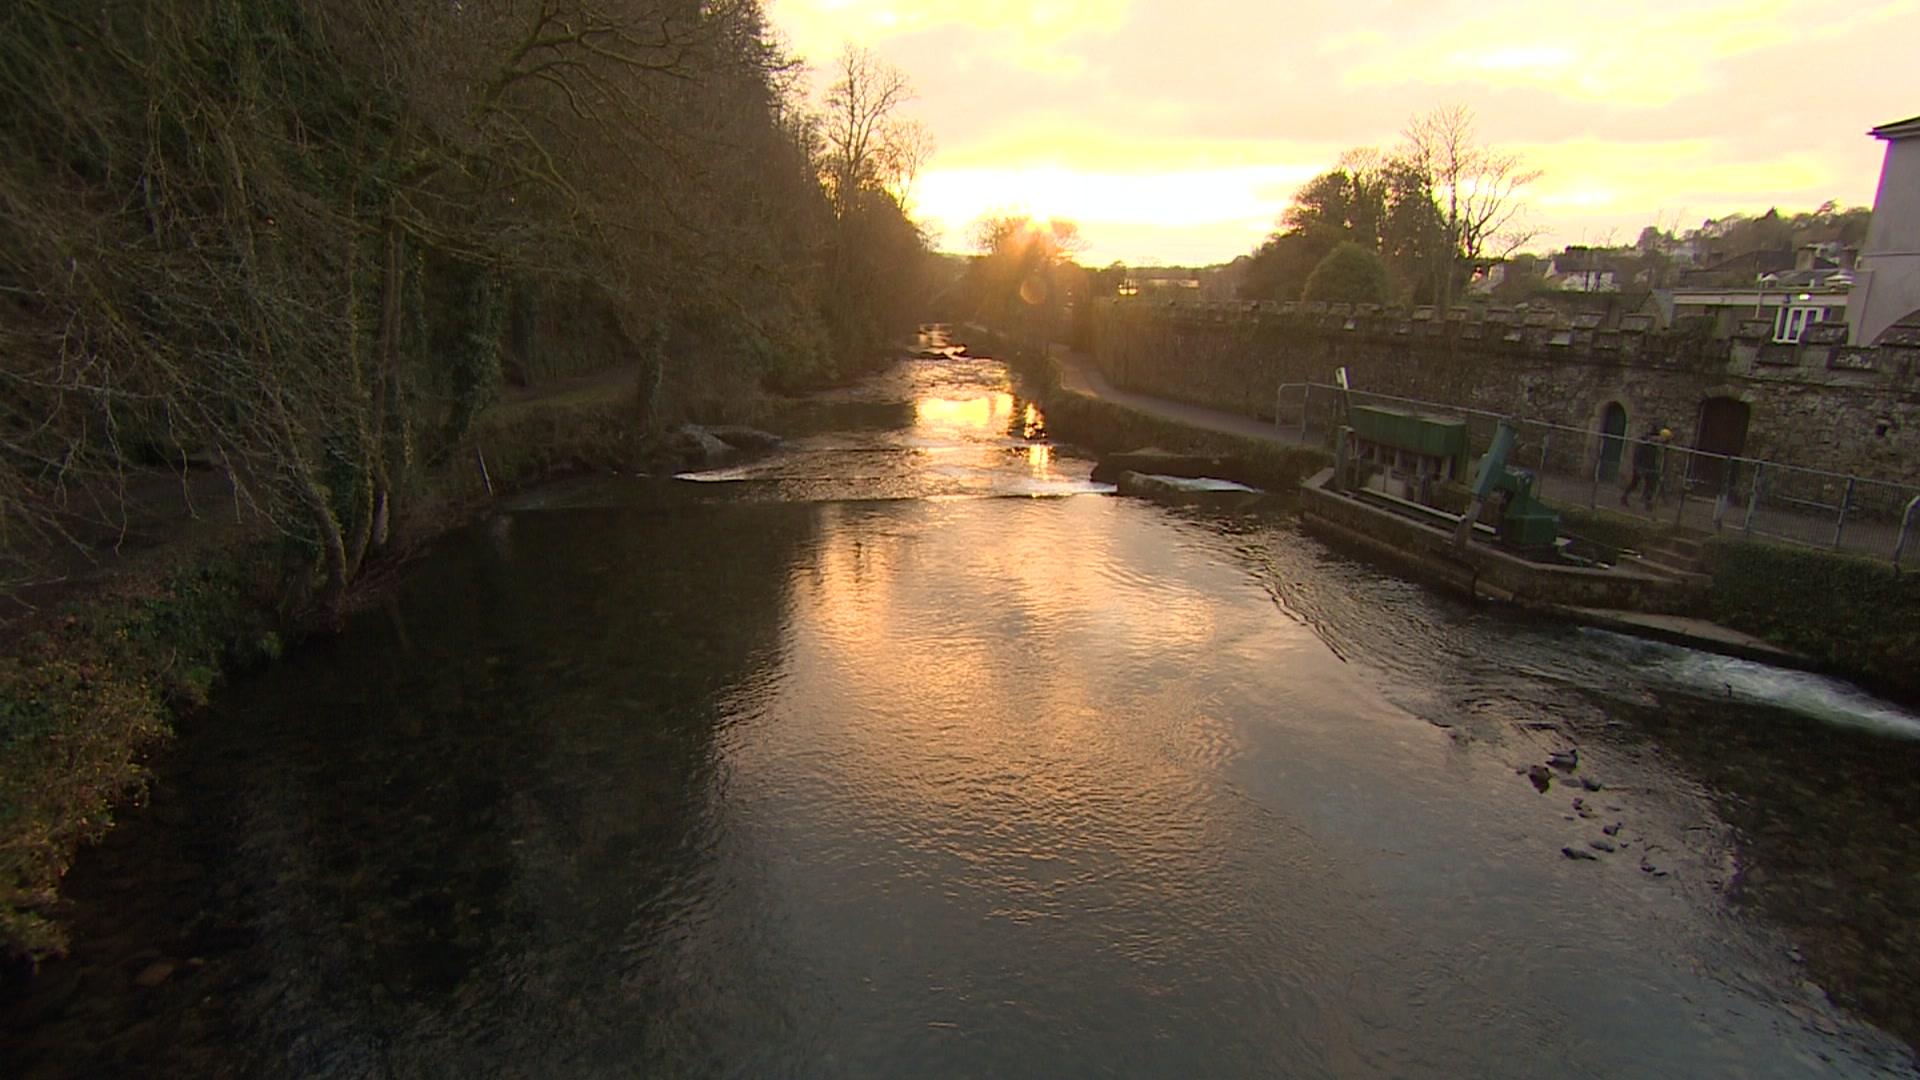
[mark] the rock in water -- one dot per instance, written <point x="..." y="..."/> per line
<point x="1144" y="486"/>
<point x="1564" y="760"/>
<point x="1542" y="778"/>
<point x="1164" y="463"/>
<point x="745" y="438"/>
<point x="700" y="447"/>
<point x="1577" y="854"/>
<point x="153" y="974"/>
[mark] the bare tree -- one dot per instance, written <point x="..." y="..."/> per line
<point x="908" y="152"/>
<point x="1476" y="188"/>
<point x="301" y="224"/>
<point x="869" y="147"/>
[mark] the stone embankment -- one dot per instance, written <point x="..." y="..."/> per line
<point x="1818" y="403"/>
<point x="1845" y="615"/>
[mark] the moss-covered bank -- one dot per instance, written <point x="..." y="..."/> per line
<point x="1853" y="616"/>
<point x="89" y="688"/>
<point x="1105" y="427"/>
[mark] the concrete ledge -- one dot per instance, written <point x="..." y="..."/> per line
<point x="1693" y="633"/>
<point x="1480" y="569"/>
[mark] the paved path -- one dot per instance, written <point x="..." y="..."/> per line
<point x="1694" y="633"/>
<point x="1078" y="373"/>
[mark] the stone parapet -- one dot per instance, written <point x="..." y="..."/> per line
<point x="1546" y="335"/>
<point x="1819" y="404"/>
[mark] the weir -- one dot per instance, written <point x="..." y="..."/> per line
<point x="1395" y="469"/>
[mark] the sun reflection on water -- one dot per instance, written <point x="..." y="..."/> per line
<point x="987" y="412"/>
<point x="1033" y="425"/>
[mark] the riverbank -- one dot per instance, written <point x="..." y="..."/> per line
<point x="93" y="680"/>
<point x="1839" y="614"/>
<point x="521" y="813"/>
<point x="1104" y="426"/>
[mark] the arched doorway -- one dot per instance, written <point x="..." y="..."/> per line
<point x="1613" y="439"/>
<point x="1722" y="430"/>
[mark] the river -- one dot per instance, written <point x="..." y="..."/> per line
<point x="909" y="751"/>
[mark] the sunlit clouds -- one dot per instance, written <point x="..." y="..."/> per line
<point x="1176" y="132"/>
<point x="1096" y="197"/>
<point x="1024" y="34"/>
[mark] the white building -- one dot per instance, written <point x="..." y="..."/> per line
<point x="1790" y="305"/>
<point x="1584" y="269"/>
<point x="1887" y="284"/>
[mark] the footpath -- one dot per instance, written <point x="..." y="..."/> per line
<point x="1078" y="373"/>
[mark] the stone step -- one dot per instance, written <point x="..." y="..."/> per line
<point x="1682" y="553"/>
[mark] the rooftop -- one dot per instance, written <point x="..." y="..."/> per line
<point x="1899" y="129"/>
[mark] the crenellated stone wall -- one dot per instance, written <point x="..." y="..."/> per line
<point x="1821" y="404"/>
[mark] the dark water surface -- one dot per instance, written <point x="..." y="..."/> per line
<point x="908" y="752"/>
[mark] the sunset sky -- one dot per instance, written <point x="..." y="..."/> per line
<point x="1175" y="131"/>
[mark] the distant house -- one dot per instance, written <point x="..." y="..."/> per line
<point x="1738" y="270"/>
<point x="1584" y="269"/>
<point x="1886" y="294"/>
<point x="1170" y="286"/>
<point x="1790" y="307"/>
<point x="1814" y="289"/>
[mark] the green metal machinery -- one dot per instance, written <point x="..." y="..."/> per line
<point x="1408" y="455"/>
<point x="1409" y="451"/>
<point x="1525" y="523"/>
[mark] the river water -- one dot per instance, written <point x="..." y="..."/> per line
<point x="909" y="751"/>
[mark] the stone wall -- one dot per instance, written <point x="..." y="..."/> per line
<point x="1820" y="404"/>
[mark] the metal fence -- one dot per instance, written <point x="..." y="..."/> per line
<point x="1703" y="491"/>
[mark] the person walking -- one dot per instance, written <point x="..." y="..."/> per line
<point x="1648" y="455"/>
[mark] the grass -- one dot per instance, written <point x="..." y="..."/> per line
<point x="88" y="691"/>
<point x="1853" y="615"/>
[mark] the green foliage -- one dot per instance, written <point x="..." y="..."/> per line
<point x="1106" y="427"/>
<point x="469" y="334"/>
<point x="85" y="695"/>
<point x="1350" y="274"/>
<point x="1604" y="526"/>
<point x="1851" y="614"/>
<point x="1376" y="202"/>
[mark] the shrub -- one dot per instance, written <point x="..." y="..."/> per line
<point x="1350" y="274"/>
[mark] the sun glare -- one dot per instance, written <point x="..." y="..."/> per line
<point x="1169" y="134"/>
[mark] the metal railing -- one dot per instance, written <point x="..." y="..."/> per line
<point x="1694" y="488"/>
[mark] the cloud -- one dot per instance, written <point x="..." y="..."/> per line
<point x="1181" y="128"/>
<point x="1023" y="34"/>
<point x="1600" y="190"/>
<point x="1109" y="179"/>
<point x="1638" y="53"/>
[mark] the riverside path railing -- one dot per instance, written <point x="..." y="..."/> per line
<point x="1697" y="489"/>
